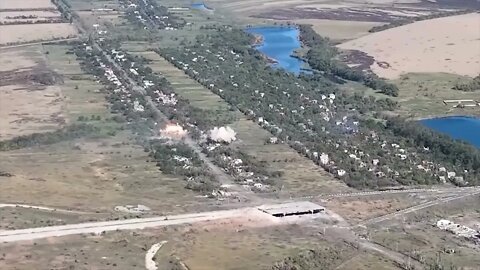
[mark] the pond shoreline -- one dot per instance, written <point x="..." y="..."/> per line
<point x="464" y="128"/>
<point x="279" y="45"/>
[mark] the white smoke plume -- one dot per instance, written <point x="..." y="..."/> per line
<point x="222" y="134"/>
<point x="173" y="131"/>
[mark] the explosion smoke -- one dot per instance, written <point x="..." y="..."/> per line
<point x="222" y="134"/>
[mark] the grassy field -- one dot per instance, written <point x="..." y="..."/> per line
<point x="367" y="261"/>
<point x="358" y="209"/>
<point x="82" y="93"/>
<point x="94" y="174"/>
<point x="91" y="175"/>
<point x="227" y="248"/>
<point x="418" y="236"/>
<point x="422" y="95"/>
<point x="22" y="218"/>
<point x="26" y="106"/>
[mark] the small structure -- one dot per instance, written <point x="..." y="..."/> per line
<point x="461" y="103"/>
<point x="292" y="209"/>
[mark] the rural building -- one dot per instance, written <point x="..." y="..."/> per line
<point x="291" y="209"/>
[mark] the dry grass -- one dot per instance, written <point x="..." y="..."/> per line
<point x="26" y="4"/>
<point x="23" y="58"/>
<point x="199" y="249"/>
<point x="95" y="174"/>
<point x="24" y="111"/>
<point x="416" y="235"/>
<point x="339" y="30"/>
<point x="436" y="45"/>
<point x="368" y="261"/>
<point x="26" y="108"/>
<point x="91" y="175"/>
<point x="357" y="209"/>
<point x="35" y="32"/>
<point x="422" y="95"/>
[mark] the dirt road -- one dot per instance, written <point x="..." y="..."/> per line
<point x="419" y="207"/>
<point x="129" y="224"/>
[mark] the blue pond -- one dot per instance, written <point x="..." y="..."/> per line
<point x="279" y="44"/>
<point x="201" y="6"/>
<point x="458" y="127"/>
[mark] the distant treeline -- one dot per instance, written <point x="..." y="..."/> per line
<point x="417" y="19"/>
<point x="322" y="57"/>
<point x="470" y="86"/>
<point x="43" y="21"/>
<point x="67" y="133"/>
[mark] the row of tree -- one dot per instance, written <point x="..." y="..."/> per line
<point x="298" y="113"/>
<point x="67" y="133"/>
<point x="409" y="20"/>
<point x="322" y="55"/>
<point x="469" y="86"/>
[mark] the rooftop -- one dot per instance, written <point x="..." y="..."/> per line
<point x="293" y="208"/>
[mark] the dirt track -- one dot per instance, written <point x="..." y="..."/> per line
<point x="130" y="224"/>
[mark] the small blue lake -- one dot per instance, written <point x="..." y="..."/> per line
<point x="279" y="43"/>
<point x="201" y="6"/>
<point x="458" y="127"/>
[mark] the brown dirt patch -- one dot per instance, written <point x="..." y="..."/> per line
<point x="434" y="45"/>
<point x="363" y="208"/>
<point x="25" y="110"/>
<point x="339" y="30"/>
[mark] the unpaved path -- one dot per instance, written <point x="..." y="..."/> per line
<point x="149" y="262"/>
<point x="129" y="224"/>
<point x="419" y="207"/>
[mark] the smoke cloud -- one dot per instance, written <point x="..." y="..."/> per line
<point x="173" y="131"/>
<point x="222" y="134"/>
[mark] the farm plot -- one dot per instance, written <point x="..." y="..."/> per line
<point x="339" y="20"/>
<point x="427" y="46"/>
<point x="93" y="5"/>
<point x="26" y="4"/>
<point x="94" y="174"/>
<point x="91" y="175"/>
<point x="30" y="98"/>
<point x="82" y="92"/>
<point x="300" y="175"/>
<point x="339" y="30"/>
<point x="15" y="34"/>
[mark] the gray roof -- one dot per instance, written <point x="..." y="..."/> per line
<point x="293" y="207"/>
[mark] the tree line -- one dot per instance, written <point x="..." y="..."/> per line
<point x="470" y="86"/>
<point x="296" y="107"/>
<point x="67" y="133"/>
<point x="321" y="56"/>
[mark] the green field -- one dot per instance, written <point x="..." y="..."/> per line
<point x="422" y="95"/>
<point x="417" y="236"/>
